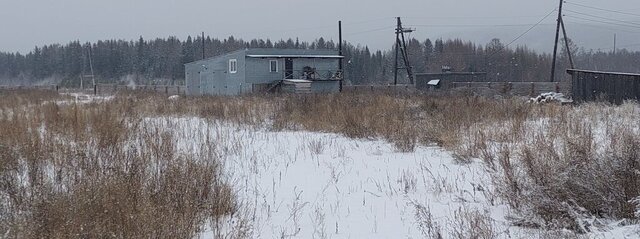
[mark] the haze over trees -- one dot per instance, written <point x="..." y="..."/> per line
<point x="160" y="61"/>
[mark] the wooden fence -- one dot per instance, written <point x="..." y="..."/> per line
<point x="31" y="87"/>
<point x="515" y="88"/>
<point x="378" y="88"/>
<point x="614" y="87"/>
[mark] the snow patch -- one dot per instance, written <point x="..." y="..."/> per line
<point x="551" y="97"/>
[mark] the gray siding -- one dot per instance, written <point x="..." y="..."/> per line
<point x="211" y="77"/>
<point x="258" y="71"/>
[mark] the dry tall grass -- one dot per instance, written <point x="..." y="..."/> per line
<point x="92" y="171"/>
<point x="556" y="165"/>
<point x="574" y="170"/>
<point x="88" y="170"/>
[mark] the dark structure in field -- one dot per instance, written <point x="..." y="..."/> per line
<point x="479" y="83"/>
<point x="265" y="70"/>
<point x="445" y="80"/>
<point x="614" y="87"/>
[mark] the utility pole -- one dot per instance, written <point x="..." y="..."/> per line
<point x="566" y="42"/>
<point x="340" y="61"/>
<point x="93" y="76"/>
<point x="401" y="48"/>
<point x="615" y="41"/>
<point x="89" y="56"/>
<point x="203" y="54"/>
<point x="555" y="46"/>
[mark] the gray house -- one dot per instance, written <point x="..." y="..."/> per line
<point x="265" y="70"/>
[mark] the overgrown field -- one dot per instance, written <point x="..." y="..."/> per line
<point x="99" y="169"/>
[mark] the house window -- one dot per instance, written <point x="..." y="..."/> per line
<point x="273" y="64"/>
<point x="233" y="66"/>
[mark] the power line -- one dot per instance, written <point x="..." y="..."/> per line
<point x="605" y="18"/>
<point x="368" y="31"/>
<point x="603" y="9"/>
<point x="620" y="47"/>
<point x="524" y="33"/>
<point x="478" y="17"/>
<point x="475" y="25"/>
<point x="368" y="21"/>
<point x="324" y="26"/>
<point x="604" y="22"/>
<point x="603" y="27"/>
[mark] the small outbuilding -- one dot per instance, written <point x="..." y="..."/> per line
<point x="265" y="70"/>
<point x="446" y="79"/>
<point x="615" y="87"/>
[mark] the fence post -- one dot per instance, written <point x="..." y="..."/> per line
<point x="95" y="89"/>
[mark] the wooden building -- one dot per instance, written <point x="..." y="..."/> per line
<point x="614" y="87"/>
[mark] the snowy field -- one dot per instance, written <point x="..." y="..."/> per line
<point x="302" y="184"/>
<point x="316" y="185"/>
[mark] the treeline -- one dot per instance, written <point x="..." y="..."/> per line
<point x="160" y="61"/>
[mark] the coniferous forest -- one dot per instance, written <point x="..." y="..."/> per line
<point x="160" y="61"/>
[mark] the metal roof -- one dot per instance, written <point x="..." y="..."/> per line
<point x="434" y="82"/>
<point x="571" y="71"/>
<point x="296" y="56"/>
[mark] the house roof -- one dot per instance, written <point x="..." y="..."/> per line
<point x="296" y="56"/>
<point x="434" y="82"/>
<point x="571" y="71"/>
<point x="281" y="53"/>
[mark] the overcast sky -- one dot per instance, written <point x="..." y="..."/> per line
<point x="27" y="23"/>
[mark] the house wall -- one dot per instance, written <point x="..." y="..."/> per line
<point x="258" y="70"/>
<point x="191" y="79"/>
<point x="212" y="77"/>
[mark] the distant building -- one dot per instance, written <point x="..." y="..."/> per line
<point x="265" y="70"/>
<point x="615" y="87"/>
<point x="446" y="79"/>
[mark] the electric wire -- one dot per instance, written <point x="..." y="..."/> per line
<point x="599" y="26"/>
<point x="619" y="47"/>
<point x="476" y="25"/>
<point x="523" y="34"/>
<point x="478" y="17"/>
<point x="369" y="31"/>
<point x="603" y="9"/>
<point x="605" y="18"/>
<point x="603" y="22"/>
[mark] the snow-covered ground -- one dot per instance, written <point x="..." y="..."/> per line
<point x="317" y="185"/>
<point x="298" y="184"/>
